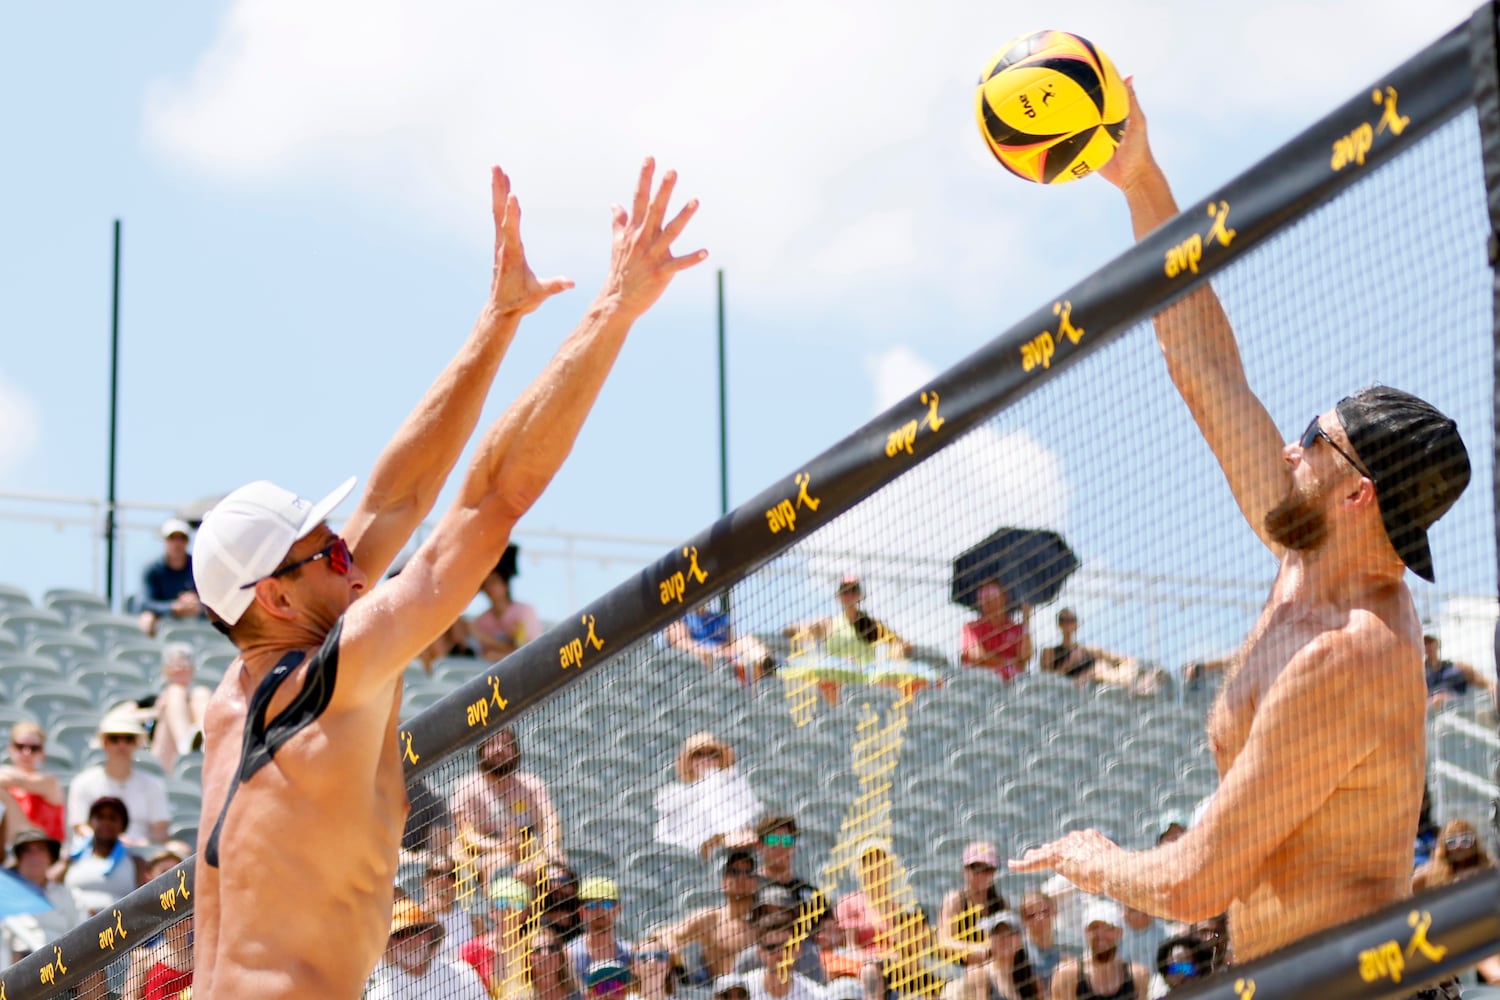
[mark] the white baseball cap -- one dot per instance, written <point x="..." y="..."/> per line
<point x="247" y="535"/>
<point x="176" y="526"/>
<point x="1103" y="911"/>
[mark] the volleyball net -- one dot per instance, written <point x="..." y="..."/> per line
<point x="986" y="617"/>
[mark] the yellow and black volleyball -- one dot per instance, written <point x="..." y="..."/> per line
<point x="1051" y="107"/>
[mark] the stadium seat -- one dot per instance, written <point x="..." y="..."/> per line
<point x="63" y="648"/>
<point x="197" y="633"/>
<point x="188" y="767"/>
<point x="143" y="652"/>
<point x="46" y="700"/>
<point x="20" y="671"/>
<point x="12" y="596"/>
<point x="74" y="605"/>
<point x="26" y="624"/>
<point x="106" y="628"/>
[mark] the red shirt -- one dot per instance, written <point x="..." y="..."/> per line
<point x="1003" y="641"/>
<point x="47" y="815"/>
<point x="165" y="983"/>
<point x="478" y="953"/>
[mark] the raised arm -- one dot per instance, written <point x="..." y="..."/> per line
<point x="518" y="456"/>
<point x="1200" y="350"/>
<point x="411" y="471"/>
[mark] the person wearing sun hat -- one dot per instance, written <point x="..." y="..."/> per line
<point x="32" y="855"/>
<point x="303" y="762"/>
<point x="413" y="964"/>
<point x="1329" y="688"/>
<point x="121" y="734"/>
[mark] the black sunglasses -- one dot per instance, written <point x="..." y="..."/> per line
<point x="336" y="552"/>
<point x="1315" y="431"/>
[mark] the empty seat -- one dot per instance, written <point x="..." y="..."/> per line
<point x="18" y="672"/>
<point x="74" y="605"/>
<point x="12" y="596"/>
<point x="25" y="624"/>
<point x="65" y="649"/>
<point x="106" y="628"/>
<point x="46" y="700"/>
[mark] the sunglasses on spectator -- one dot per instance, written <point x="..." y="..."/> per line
<point x="740" y="871"/>
<point x="779" y="840"/>
<point x="653" y="956"/>
<point x="979" y="866"/>
<point x="733" y="994"/>
<point x="705" y="752"/>
<point x="26" y="747"/>
<point x="775" y="945"/>
<point x="336" y="552"/>
<point x="509" y="904"/>
<point x="119" y="738"/>
<point x="1315" y="431"/>
<point x="599" y="904"/>
<point x="1036" y="913"/>
<point x="1180" y="969"/>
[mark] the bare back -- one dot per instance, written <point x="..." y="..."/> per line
<point x="1324" y="719"/>
<point x="299" y="901"/>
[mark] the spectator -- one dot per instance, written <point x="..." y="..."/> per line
<point x="1180" y="961"/>
<point x="557" y="887"/>
<point x="162" y="968"/>
<point x="651" y="970"/>
<point x="607" y="980"/>
<point x="440" y="902"/>
<point x="144" y="794"/>
<point x="721" y="932"/>
<point x="710" y="803"/>
<point x="1091" y="664"/>
<point x="1039" y="915"/>
<point x="33" y="856"/>
<point x="1142" y="936"/>
<point x="777" y="978"/>
<point x="411" y="965"/>
<point x="600" y="899"/>
<point x="101" y="869"/>
<point x="167" y="588"/>
<point x="179" y="706"/>
<point x="775" y="902"/>
<point x="1007" y="972"/>
<point x="868" y="914"/>
<point x="776" y="843"/>
<point x="496" y="954"/>
<point x="961" y="933"/>
<point x="500" y="807"/>
<point x="997" y="640"/>
<point x="548" y="973"/>
<point x="508" y="624"/>
<point x="852" y="635"/>
<point x="38" y="794"/>
<point x="731" y="987"/>
<point x="1101" y="972"/>
<point x="1458" y="854"/>
<point x="705" y="632"/>
<point x="906" y="968"/>
<point x="1449" y="679"/>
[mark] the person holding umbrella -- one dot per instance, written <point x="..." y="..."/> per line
<point x="997" y="640"/>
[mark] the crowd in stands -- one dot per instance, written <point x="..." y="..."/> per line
<point x="553" y="922"/>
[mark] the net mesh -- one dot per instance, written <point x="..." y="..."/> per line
<point x="813" y="743"/>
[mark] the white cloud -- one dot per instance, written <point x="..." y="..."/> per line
<point x="20" y="427"/>
<point x="833" y="146"/>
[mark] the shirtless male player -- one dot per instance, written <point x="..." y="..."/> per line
<point x="303" y="797"/>
<point x="1318" y="730"/>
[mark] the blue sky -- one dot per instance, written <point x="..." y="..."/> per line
<point x="304" y="196"/>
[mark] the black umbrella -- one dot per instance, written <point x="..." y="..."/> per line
<point x="1030" y="564"/>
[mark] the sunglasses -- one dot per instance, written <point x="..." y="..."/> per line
<point x="508" y="904"/>
<point x="1035" y="914"/>
<point x="1315" y="432"/>
<point x="27" y="747"/>
<point x="779" y="840"/>
<point x="336" y="552"/>
<point x="599" y="904"/>
<point x="739" y="871"/>
<point x="117" y="738"/>
<point x="1458" y="841"/>
<point x="734" y="994"/>
<point x="653" y="956"/>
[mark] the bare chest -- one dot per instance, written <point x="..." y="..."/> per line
<point x="1280" y="632"/>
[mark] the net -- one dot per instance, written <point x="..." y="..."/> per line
<point x="822" y="769"/>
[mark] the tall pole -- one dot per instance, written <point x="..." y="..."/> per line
<point x="723" y="411"/>
<point x="114" y="420"/>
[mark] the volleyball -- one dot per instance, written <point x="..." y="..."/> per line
<point x="1051" y="107"/>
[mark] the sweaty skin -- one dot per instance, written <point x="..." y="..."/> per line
<point x="1318" y="731"/>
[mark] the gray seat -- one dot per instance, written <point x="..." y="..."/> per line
<point x="65" y="649"/>
<point x="107" y="628"/>
<point x="74" y="605"/>
<point x="12" y="596"/>
<point x="143" y="652"/>
<point x="26" y="624"/>
<point x="19" y="672"/>
<point x="48" y="700"/>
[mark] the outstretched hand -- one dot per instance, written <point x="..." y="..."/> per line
<point x="514" y="290"/>
<point x="1078" y="856"/>
<point x="642" y="265"/>
<point x="1133" y="154"/>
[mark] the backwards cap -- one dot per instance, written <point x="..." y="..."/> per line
<point x="247" y="535"/>
<point x="1416" y="460"/>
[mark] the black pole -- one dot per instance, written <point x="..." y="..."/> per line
<point x="723" y="410"/>
<point x="114" y="415"/>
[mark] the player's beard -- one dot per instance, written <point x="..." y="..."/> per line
<point x="1298" y="522"/>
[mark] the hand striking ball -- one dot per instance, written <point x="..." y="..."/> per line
<point x="1051" y="107"/>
